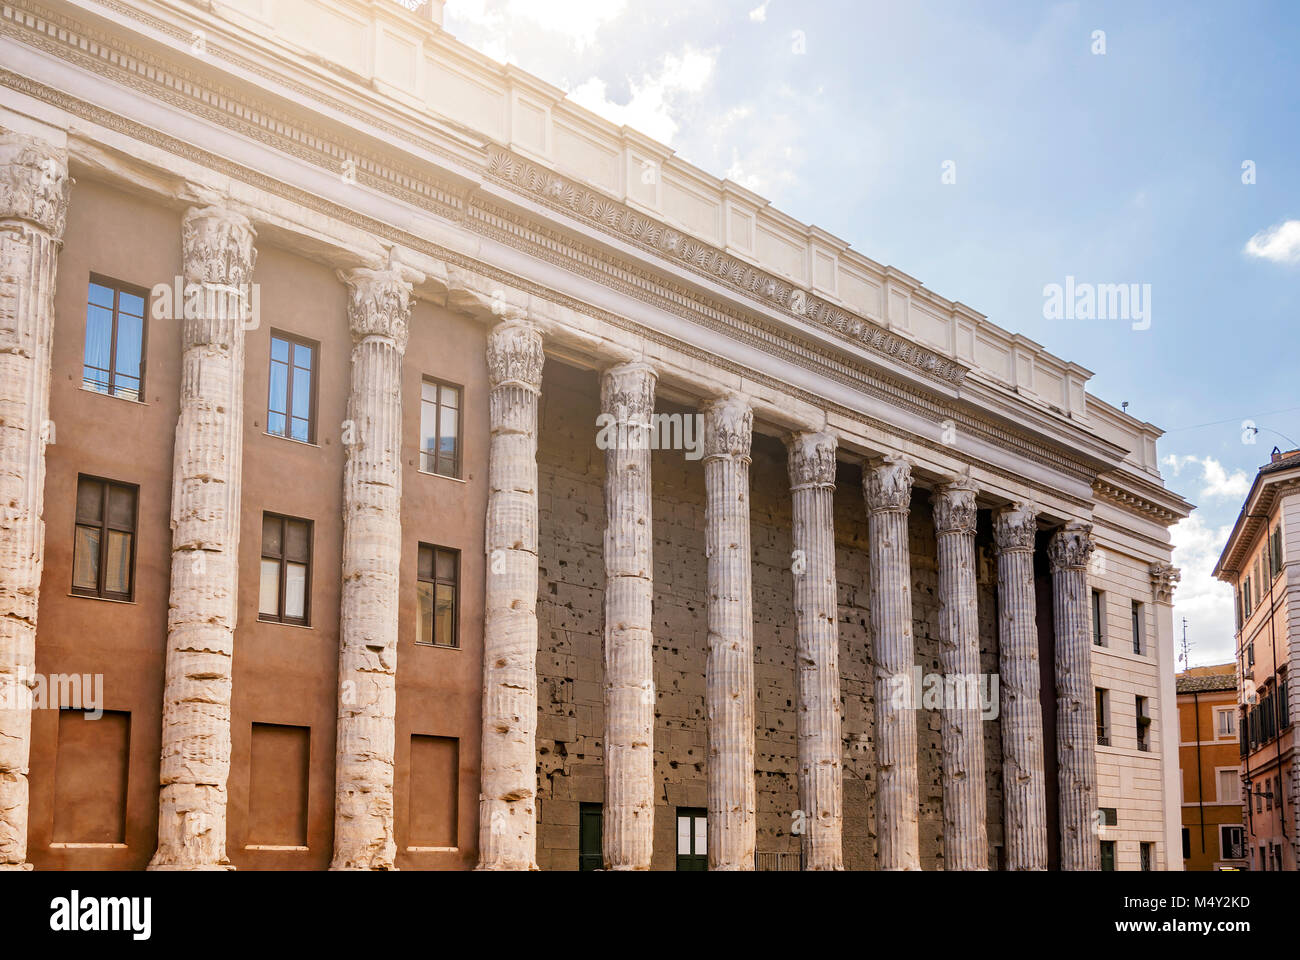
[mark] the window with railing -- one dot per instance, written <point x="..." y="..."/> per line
<point x="1143" y="724"/>
<point x="1103" y="735"/>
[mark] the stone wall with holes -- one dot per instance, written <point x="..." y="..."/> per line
<point x="570" y="626"/>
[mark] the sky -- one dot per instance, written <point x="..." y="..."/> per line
<point x="991" y="150"/>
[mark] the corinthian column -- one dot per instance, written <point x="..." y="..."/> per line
<point x="1023" y="786"/>
<point x="821" y="773"/>
<point x="218" y="260"/>
<point x="508" y="800"/>
<point x="887" y="484"/>
<point x="965" y="837"/>
<point x="379" y="310"/>
<point x="1076" y="722"/>
<point x="729" y="674"/>
<point x="627" y="399"/>
<point x="34" y="187"/>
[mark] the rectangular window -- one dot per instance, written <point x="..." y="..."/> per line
<point x="1232" y="842"/>
<point x="291" y="406"/>
<point x="1187" y="843"/>
<point x="285" y="592"/>
<point x="1225" y="722"/>
<point x="103" y="549"/>
<point x="440" y="428"/>
<point x="692" y="839"/>
<point x="1103" y="737"/>
<point x="114" y="355"/>
<point x="1146" y="855"/>
<point x="1143" y="723"/>
<point x="1108" y="855"/>
<point x="1250" y="654"/>
<point x="1245" y="599"/>
<point x="1139" y="615"/>
<point x="438" y="587"/>
<point x="590" y="826"/>
<point x="1229" y="785"/>
<point x="1108" y="816"/>
<point x="1098" y="637"/>
<point x="1275" y="551"/>
<point x="1283" y="707"/>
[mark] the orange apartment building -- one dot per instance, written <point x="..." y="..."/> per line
<point x="1259" y="561"/>
<point x="1210" y="769"/>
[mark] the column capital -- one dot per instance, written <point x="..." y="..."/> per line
<point x="627" y="391"/>
<point x="1070" y="546"/>
<point x="515" y="355"/>
<point x="218" y="247"/>
<point x="34" y="183"/>
<point x="887" y="484"/>
<point x="1164" y="577"/>
<point x="1015" y="525"/>
<point x="379" y="304"/>
<point x="812" y="459"/>
<point x="954" y="506"/>
<point x="728" y="428"/>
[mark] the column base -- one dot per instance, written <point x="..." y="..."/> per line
<point x="15" y="867"/>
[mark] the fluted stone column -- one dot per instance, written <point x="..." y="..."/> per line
<point x="1076" y="720"/>
<point x="627" y="395"/>
<point x="508" y="799"/>
<point x="965" y="837"/>
<point x="379" y="311"/>
<point x="887" y="484"/>
<point x="34" y="187"/>
<point x="821" y="772"/>
<point x="729" y="673"/>
<point x="218" y="257"/>
<point x="1023" y="783"/>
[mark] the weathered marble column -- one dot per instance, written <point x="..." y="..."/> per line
<point x="965" y="836"/>
<point x="508" y="799"/>
<point x="379" y="311"/>
<point x="218" y="257"/>
<point x="627" y="396"/>
<point x="1076" y="721"/>
<point x="817" y="656"/>
<point x="729" y="673"/>
<point x="887" y="484"/>
<point x="34" y="187"/>
<point x="1023" y="781"/>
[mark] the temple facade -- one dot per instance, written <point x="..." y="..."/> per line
<point x="405" y="468"/>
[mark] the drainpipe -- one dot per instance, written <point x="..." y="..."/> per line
<point x="1200" y="783"/>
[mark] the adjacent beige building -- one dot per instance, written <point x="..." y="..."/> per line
<point x="512" y="494"/>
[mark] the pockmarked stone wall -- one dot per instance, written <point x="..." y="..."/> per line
<point x="571" y="580"/>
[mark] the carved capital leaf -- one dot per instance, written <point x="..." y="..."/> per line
<point x="1015" y="526"/>
<point x="34" y="183"/>
<point x="627" y="392"/>
<point x="379" y="305"/>
<point x="887" y="485"/>
<point x="728" y="428"/>
<point x="812" y="460"/>
<point x="954" y="507"/>
<point x="1070" y="546"/>
<point x="515" y="355"/>
<point x="218" y="247"/>
<point x="1164" y="577"/>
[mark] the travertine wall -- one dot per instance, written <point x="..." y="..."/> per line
<point x="570" y="624"/>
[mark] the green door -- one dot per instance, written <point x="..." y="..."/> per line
<point x="589" y="843"/>
<point x="692" y="839"/>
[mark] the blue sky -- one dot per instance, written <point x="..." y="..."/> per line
<point x="1115" y="167"/>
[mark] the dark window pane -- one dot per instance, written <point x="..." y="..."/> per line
<point x="446" y="565"/>
<point x="296" y="547"/>
<point x="121" y="506"/>
<point x="271" y="546"/>
<point x="101" y="295"/>
<point x="90" y="500"/>
<point x="425" y="593"/>
<point x="279" y="350"/>
<point x="425" y="563"/>
<point x="117" y="566"/>
<point x="446" y="467"/>
<point x="85" y="559"/>
<point x="445" y="615"/>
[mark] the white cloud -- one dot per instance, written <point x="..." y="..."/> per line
<point x="1202" y="600"/>
<point x="577" y="20"/>
<point x="759" y="13"/>
<point x="653" y="105"/>
<point x="1218" y="482"/>
<point x="1279" y="243"/>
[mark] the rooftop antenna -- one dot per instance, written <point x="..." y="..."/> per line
<point x="1124" y="406"/>
<point x="1186" y="655"/>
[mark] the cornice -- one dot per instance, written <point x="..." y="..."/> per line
<point x="1263" y="494"/>
<point x="185" y="90"/>
<point x="1110" y="490"/>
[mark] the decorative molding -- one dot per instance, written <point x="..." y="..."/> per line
<point x="812" y="460"/>
<point x="1110" y="492"/>
<point x="1164" y="577"/>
